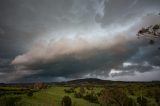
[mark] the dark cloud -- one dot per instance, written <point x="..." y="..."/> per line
<point x="53" y="40"/>
<point x="69" y="66"/>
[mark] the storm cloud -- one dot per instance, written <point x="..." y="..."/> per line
<point x="55" y="40"/>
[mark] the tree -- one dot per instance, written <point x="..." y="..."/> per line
<point x="66" y="101"/>
<point x="105" y="97"/>
<point x="115" y="97"/>
<point x="152" y="32"/>
<point x="119" y="96"/>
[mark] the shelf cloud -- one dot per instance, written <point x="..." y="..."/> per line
<point x="56" y="40"/>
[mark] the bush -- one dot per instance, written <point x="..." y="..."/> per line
<point x="130" y="91"/>
<point x="78" y="95"/>
<point x="82" y="90"/>
<point x="115" y="97"/>
<point x="66" y="101"/>
<point x="71" y="90"/>
<point x="30" y="93"/>
<point x="10" y="101"/>
<point x="130" y="102"/>
<point x="157" y="96"/>
<point x="142" y="101"/>
<point x="91" y="98"/>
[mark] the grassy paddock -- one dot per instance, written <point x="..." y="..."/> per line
<point x="53" y="95"/>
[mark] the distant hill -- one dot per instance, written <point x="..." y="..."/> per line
<point x="84" y="81"/>
<point x="91" y="81"/>
<point x="100" y="81"/>
<point x="88" y="81"/>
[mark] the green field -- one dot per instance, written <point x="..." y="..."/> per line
<point x="52" y="96"/>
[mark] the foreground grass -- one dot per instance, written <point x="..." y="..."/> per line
<point x="53" y="95"/>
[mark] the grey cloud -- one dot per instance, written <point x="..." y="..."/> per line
<point x="134" y="67"/>
<point x="123" y="73"/>
<point x="22" y="22"/>
<point x="146" y="59"/>
<point x="5" y="68"/>
<point x="76" y="43"/>
<point x="69" y="66"/>
<point x="100" y="59"/>
<point x="123" y="11"/>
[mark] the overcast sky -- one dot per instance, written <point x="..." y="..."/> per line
<point x="58" y="40"/>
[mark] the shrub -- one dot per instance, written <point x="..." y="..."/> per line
<point x="82" y="90"/>
<point x="142" y="101"/>
<point x="157" y="96"/>
<point x="66" y="101"/>
<point x="88" y="88"/>
<point x="10" y="101"/>
<point x="71" y="90"/>
<point x="30" y="93"/>
<point x="130" y="102"/>
<point x="113" y="97"/>
<point x="78" y="95"/>
<point x="130" y="91"/>
<point x="91" y="98"/>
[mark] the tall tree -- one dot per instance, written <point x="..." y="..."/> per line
<point x="152" y="32"/>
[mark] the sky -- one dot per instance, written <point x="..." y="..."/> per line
<point x="60" y="40"/>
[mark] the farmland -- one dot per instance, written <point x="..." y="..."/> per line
<point x="128" y="94"/>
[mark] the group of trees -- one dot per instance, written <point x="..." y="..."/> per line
<point x="106" y="97"/>
<point x="70" y="90"/>
<point x="122" y="95"/>
<point x="115" y="97"/>
<point x="91" y="98"/>
<point x="151" y="32"/>
<point x="84" y="94"/>
<point x="131" y="95"/>
<point x="39" y="85"/>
